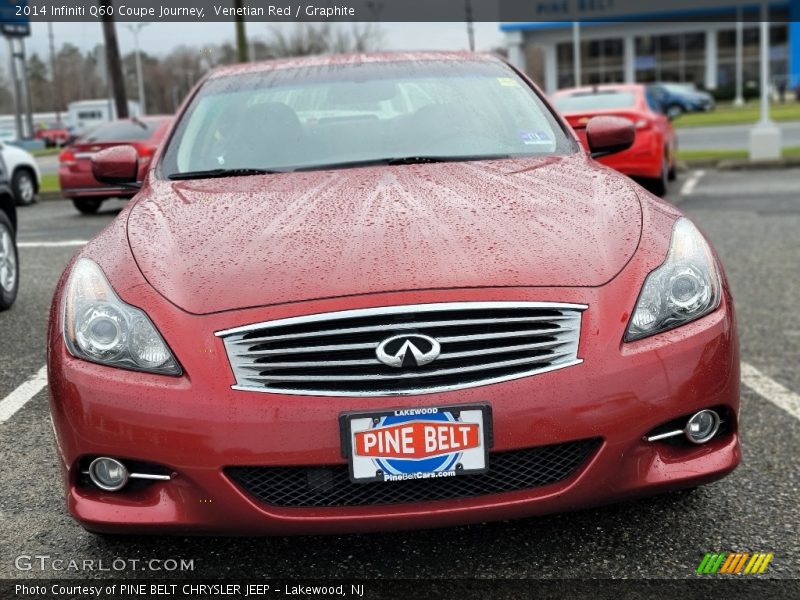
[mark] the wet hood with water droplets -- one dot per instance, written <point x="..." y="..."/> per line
<point x="223" y="244"/>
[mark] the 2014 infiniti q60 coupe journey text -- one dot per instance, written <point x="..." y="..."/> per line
<point x="385" y="291"/>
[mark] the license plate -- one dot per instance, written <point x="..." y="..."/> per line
<point x="417" y="443"/>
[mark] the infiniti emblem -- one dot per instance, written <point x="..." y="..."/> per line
<point x="410" y="350"/>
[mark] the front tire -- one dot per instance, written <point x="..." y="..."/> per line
<point x="23" y="186"/>
<point x="660" y="184"/>
<point x="9" y="263"/>
<point x="674" y="111"/>
<point x="87" y="206"/>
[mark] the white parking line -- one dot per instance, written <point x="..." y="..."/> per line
<point x="771" y="390"/>
<point x="689" y="185"/>
<point x="64" y="244"/>
<point x="22" y="395"/>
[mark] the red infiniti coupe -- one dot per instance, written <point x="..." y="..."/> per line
<point x="652" y="155"/>
<point x="386" y="291"/>
<point x="75" y="161"/>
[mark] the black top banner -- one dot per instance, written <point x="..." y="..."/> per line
<point x="20" y="12"/>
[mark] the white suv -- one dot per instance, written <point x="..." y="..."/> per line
<point x="23" y="173"/>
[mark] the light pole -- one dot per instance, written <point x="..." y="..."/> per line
<point x="765" y="137"/>
<point x="55" y="78"/>
<point x="135" y="28"/>
<point x="470" y="25"/>
<point x="739" y="99"/>
<point x="576" y="52"/>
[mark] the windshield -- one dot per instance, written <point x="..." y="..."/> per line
<point x="680" y="88"/>
<point x="127" y="130"/>
<point x="341" y="115"/>
<point x="600" y="100"/>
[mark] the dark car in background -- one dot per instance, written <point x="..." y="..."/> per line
<point x="75" y="170"/>
<point x="9" y="257"/>
<point x="678" y="98"/>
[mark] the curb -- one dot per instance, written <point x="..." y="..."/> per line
<point x="740" y="164"/>
<point x="746" y="165"/>
<point x="47" y="196"/>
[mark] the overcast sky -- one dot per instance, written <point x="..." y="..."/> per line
<point x="160" y="38"/>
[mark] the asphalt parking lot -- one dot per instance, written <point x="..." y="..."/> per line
<point x="753" y="218"/>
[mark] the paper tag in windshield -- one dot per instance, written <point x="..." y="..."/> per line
<point x="534" y="138"/>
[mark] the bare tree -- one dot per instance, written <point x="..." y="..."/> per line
<point x="78" y="74"/>
<point x="359" y="37"/>
<point x="42" y="95"/>
<point x="305" y="39"/>
<point x="6" y="101"/>
<point x="168" y="79"/>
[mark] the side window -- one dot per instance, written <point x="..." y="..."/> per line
<point x="90" y="114"/>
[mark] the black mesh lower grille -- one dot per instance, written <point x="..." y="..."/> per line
<point x="331" y="486"/>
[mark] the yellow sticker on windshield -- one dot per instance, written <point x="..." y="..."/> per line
<point x="508" y="81"/>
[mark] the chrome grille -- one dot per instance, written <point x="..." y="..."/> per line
<point x="334" y="354"/>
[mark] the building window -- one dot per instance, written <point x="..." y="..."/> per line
<point x="601" y="62"/>
<point x="678" y="57"/>
<point x="726" y="57"/>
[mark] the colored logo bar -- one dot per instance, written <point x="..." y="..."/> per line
<point x="734" y="563"/>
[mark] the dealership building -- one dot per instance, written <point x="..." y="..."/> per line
<point x="705" y="47"/>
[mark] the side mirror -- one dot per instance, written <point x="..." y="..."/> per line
<point x="607" y="135"/>
<point x="117" y="166"/>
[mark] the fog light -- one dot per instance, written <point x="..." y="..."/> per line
<point x="702" y="427"/>
<point x="108" y="474"/>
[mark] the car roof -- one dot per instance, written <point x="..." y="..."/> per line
<point x="350" y="59"/>
<point x="605" y="87"/>
<point x="144" y="119"/>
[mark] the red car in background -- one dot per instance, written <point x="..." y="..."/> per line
<point x="652" y="156"/>
<point x="54" y="135"/>
<point x="75" y="168"/>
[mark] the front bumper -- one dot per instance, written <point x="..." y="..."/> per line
<point x="197" y="426"/>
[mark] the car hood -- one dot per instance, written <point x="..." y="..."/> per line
<point x="223" y="244"/>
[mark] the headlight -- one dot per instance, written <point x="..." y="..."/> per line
<point x="684" y="288"/>
<point x="101" y="328"/>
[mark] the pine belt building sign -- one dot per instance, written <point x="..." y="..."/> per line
<point x="13" y="20"/>
<point x="630" y="41"/>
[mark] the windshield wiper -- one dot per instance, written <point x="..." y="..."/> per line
<point x="417" y="160"/>
<point x="216" y="173"/>
<point x="400" y="160"/>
